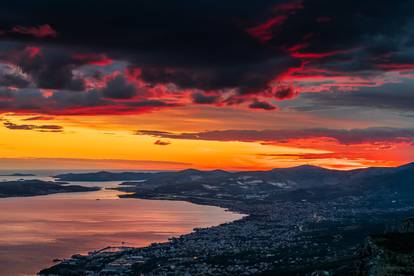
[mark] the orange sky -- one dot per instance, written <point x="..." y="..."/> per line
<point x="261" y="84"/>
<point x="109" y="142"/>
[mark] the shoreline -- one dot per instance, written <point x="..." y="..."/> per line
<point x="194" y="200"/>
<point x="125" y="251"/>
<point x="299" y="221"/>
<point x="270" y="238"/>
<point x="200" y="245"/>
<point x="145" y="221"/>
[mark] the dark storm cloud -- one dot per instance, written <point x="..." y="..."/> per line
<point x="207" y="45"/>
<point x="151" y="103"/>
<point x="201" y="98"/>
<point x="49" y="69"/>
<point x="39" y="31"/>
<point x="119" y="88"/>
<point x="286" y="92"/>
<point x="69" y="103"/>
<point x="210" y="36"/>
<point x="393" y="96"/>
<point x="343" y="136"/>
<point x="53" y="70"/>
<point x="249" y="78"/>
<point x="190" y="43"/>
<point x="262" y="105"/>
<point x="14" y="80"/>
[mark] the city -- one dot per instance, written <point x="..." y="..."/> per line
<point x="290" y="237"/>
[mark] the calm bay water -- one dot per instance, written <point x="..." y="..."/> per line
<point x="36" y="230"/>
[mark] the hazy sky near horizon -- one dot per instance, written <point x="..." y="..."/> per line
<point x="206" y="84"/>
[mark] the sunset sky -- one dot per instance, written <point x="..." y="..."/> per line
<point x="237" y="85"/>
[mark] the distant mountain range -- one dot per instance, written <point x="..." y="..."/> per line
<point x="296" y="183"/>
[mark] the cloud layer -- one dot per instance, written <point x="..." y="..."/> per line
<point x="342" y="136"/>
<point x="134" y="57"/>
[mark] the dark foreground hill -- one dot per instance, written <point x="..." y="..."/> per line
<point x="387" y="254"/>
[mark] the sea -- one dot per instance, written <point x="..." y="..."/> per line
<point x="35" y="231"/>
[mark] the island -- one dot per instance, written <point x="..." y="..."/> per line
<point x="38" y="187"/>
<point x="18" y="174"/>
<point x="299" y="221"/>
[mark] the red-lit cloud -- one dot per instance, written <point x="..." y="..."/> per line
<point x="247" y="56"/>
<point x="335" y="148"/>
<point x="33" y="51"/>
<point x="93" y="59"/>
<point x="308" y="55"/>
<point x="263" y="32"/>
<point x="289" y="6"/>
<point x="341" y="136"/>
<point x="40" y="31"/>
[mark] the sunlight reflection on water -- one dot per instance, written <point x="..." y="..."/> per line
<point x="36" y="230"/>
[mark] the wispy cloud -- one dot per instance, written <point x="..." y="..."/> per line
<point x="342" y="136"/>
<point x="40" y="128"/>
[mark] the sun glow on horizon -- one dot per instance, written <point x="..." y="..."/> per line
<point x="87" y="146"/>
